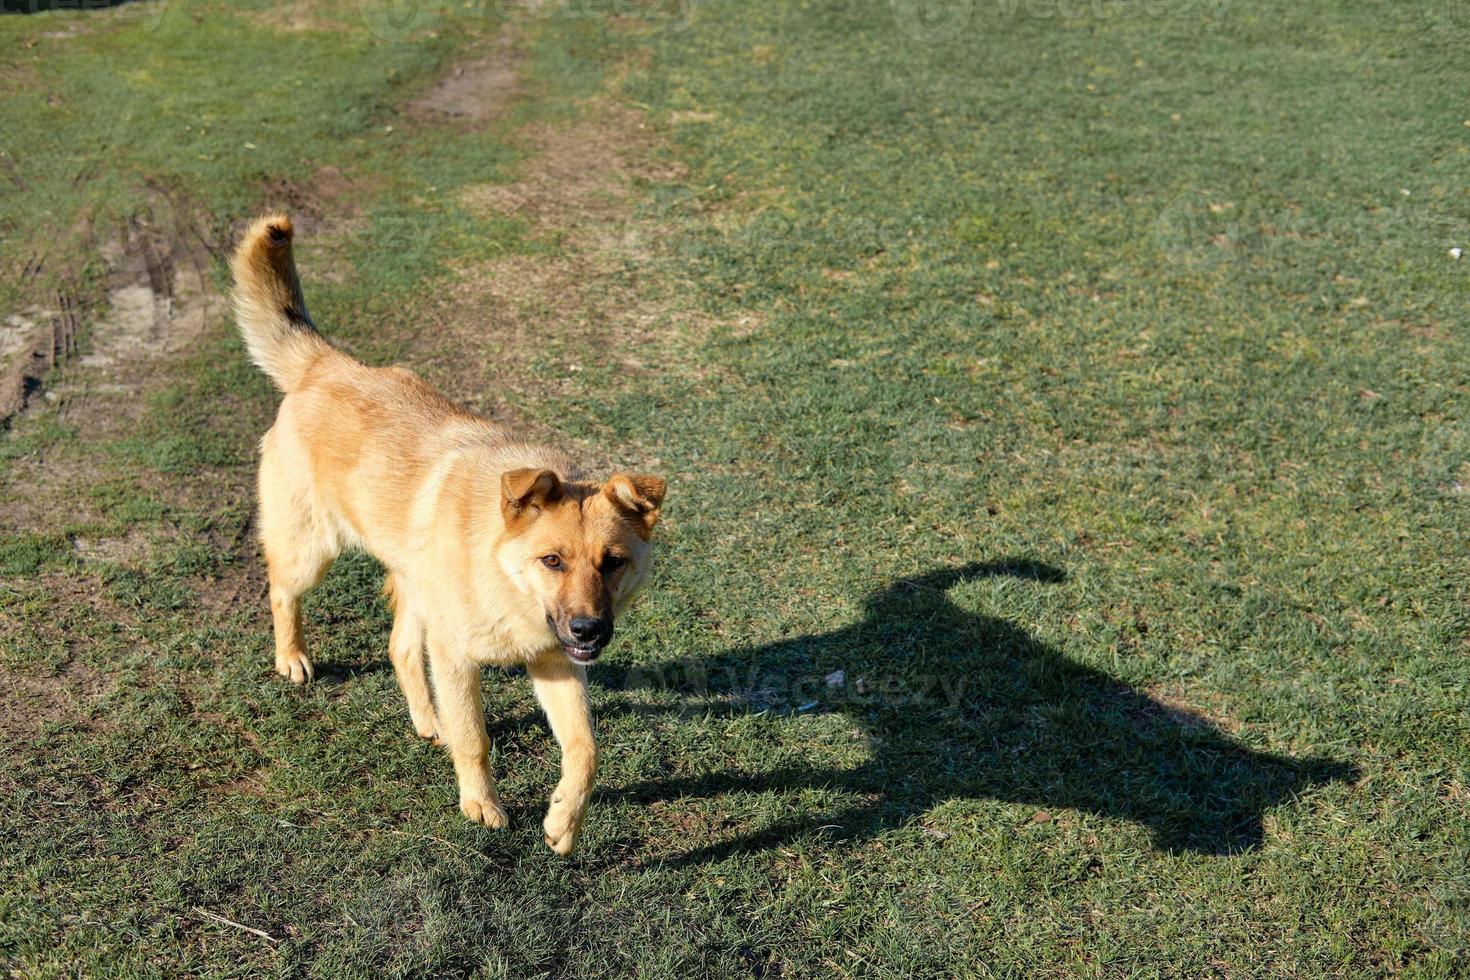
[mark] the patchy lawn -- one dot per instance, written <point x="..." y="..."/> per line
<point x="1063" y="406"/>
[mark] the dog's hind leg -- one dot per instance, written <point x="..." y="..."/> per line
<point x="292" y="575"/>
<point x="406" y="650"/>
<point x="298" y="552"/>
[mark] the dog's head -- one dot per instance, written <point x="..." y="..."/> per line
<point x="580" y="550"/>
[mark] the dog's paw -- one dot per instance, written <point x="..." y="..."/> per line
<point x="564" y="822"/>
<point x="487" y="812"/>
<point x="295" y="666"/>
<point x="427" y="728"/>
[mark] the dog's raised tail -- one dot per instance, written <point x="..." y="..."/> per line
<point x="269" y="306"/>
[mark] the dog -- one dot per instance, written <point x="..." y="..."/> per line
<point x="496" y="551"/>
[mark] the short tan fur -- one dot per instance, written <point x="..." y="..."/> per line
<point x="497" y="552"/>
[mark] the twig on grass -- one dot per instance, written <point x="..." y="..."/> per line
<point x="219" y="918"/>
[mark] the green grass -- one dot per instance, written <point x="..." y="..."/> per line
<point x="1088" y="386"/>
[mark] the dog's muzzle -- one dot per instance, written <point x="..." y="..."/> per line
<point x="584" y="638"/>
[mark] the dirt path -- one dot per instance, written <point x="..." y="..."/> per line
<point x="580" y="303"/>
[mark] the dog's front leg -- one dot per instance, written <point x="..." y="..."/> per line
<point x="461" y="715"/>
<point x="561" y="687"/>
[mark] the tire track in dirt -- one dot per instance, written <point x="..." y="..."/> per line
<point x="153" y="298"/>
<point x="154" y="301"/>
<point x="31" y="344"/>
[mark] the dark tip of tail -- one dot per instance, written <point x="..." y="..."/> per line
<point x="279" y="235"/>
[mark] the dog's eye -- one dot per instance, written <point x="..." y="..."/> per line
<point x="612" y="563"/>
<point x="552" y="562"/>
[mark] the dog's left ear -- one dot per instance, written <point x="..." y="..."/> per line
<point x="638" y="495"/>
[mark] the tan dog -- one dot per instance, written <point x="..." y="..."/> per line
<point x="496" y="552"/>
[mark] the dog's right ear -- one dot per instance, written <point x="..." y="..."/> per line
<point x="524" y="492"/>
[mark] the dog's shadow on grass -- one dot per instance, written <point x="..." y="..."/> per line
<point x="960" y="705"/>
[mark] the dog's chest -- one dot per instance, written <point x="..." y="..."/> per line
<point x="507" y="641"/>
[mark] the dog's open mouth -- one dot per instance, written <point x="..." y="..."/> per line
<point x="579" y="650"/>
<point x="580" y="654"/>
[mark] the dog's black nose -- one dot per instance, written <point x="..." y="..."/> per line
<point x="585" y="628"/>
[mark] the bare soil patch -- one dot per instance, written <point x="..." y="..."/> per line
<point x="579" y="184"/>
<point x="474" y="91"/>
<point x="34" y="699"/>
<point x="158" y="298"/>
